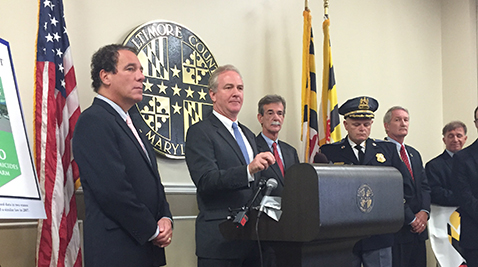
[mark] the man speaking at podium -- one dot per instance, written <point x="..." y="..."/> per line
<point x="222" y="159"/>
<point x="358" y="149"/>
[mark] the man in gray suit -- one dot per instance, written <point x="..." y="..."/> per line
<point x="223" y="162"/>
<point x="128" y="221"/>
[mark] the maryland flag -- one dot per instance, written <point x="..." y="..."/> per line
<point x="309" y="92"/>
<point x="329" y="122"/>
<point x="444" y="231"/>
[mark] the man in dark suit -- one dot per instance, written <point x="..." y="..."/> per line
<point x="358" y="149"/>
<point x="128" y="221"/>
<point x="465" y="188"/>
<point x="271" y="114"/>
<point x="409" y="248"/>
<point x="223" y="162"/>
<point x="438" y="170"/>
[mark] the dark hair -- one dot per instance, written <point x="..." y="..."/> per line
<point x="213" y="80"/>
<point x="452" y="126"/>
<point x="474" y="114"/>
<point x="268" y="99"/>
<point x="106" y="58"/>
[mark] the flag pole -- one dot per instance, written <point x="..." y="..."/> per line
<point x="326" y="7"/>
<point x="306" y="5"/>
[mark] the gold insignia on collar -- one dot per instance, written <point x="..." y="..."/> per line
<point x="363" y="103"/>
<point x="342" y="147"/>
<point x="380" y="157"/>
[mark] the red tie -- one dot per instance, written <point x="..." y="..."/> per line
<point x="278" y="160"/>
<point x="403" y="155"/>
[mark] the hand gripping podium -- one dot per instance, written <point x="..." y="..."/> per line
<point x="326" y="210"/>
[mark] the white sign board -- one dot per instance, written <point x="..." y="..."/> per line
<point x="20" y="196"/>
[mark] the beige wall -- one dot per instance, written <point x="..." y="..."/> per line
<point x="419" y="54"/>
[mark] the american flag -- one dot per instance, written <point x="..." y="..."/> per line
<point x="56" y="112"/>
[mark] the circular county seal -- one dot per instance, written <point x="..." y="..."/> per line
<point x="365" y="198"/>
<point x="177" y="66"/>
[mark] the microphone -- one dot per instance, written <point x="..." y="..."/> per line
<point x="271" y="184"/>
<point x="241" y="218"/>
<point x="320" y="158"/>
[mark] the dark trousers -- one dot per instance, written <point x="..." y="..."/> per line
<point x="411" y="254"/>
<point x="251" y="261"/>
<point x="471" y="257"/>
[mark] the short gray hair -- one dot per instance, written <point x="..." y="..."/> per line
<point x="213" y="80"/>
<point x="388" y="115"/>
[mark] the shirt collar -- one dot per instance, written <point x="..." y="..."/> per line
<point x="225" y="120"/>
<point x="353" y="144"/>
<point x="115" y="106"/>
<point x="450" y="153"/>
<point x="268" y="140"/>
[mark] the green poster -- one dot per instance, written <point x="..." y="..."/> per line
<point x="9" y="166"/>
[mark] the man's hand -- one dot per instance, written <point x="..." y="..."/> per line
<point x="420" y="224"/>
<point x="165" y="233"/>
<point x="261" y="162"/>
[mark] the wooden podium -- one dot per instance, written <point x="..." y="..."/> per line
<point x="326" y="210"/>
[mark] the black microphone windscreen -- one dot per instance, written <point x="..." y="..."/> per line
<point x="320" y="158"/>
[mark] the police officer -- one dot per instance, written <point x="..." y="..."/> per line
<point x="358" y="149"/>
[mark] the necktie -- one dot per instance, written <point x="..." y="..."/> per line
<point x="135" y="133"/>
<point x="360" y="153"/>
<point x="403" y="155"/>
<point x="240" y="142"/>
<point x="278" y="160"/>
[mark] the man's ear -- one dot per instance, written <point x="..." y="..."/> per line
<point x="105" y="77"/>
<point x="212" y="95"/>
<point x="259" y="118"/>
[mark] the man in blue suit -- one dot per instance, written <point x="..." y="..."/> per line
<point x="128" y="221"/>
<point x="409" y="248"/>
<point x="271" y="114"/>
<point x="224" y="164"/>
<point x="358" y="149"/>
<point x="438" y="170"/>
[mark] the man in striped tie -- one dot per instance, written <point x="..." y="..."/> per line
<point x="409" y="248"/>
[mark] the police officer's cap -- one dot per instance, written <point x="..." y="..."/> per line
<point x="362" y="107"/>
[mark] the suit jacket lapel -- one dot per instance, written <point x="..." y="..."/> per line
<point x="251" y="138"/>
<point x="226" y="135"/>
<point x="286" y="155"/>
<point x="263" y="146"/>
<point x="370" y="151"/>
<point x="448" y="160"/>
<point x="125" y="128"/>
<point x="414" y="164"/>
<point x="349" y="154"/>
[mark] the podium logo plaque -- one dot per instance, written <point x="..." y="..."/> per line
<point x="365" y="198"/>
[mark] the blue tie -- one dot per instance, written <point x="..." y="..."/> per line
<point x="240" y="141"/>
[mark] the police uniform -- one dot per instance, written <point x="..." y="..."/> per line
<point x="370" y="250"/>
